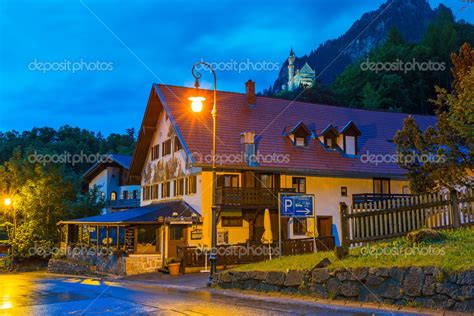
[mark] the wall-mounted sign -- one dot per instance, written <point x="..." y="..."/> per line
<point x="196" y="234"/>
<point x="129" y="239"/>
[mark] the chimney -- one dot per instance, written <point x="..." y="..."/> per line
<point x="250" y="92"/>
<point x="248" y="139"/>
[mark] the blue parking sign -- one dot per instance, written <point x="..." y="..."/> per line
<point x="300" y="205"/>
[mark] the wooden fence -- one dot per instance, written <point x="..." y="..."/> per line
<point x="247" y="253"/>
<point x="384" y="219"/>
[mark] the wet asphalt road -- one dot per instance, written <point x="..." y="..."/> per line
<point x="43" y="294"/>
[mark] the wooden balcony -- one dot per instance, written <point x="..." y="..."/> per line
<point x="249" y="197"/>
<point x="375" y="197"/>
<point x="123" y="204"/>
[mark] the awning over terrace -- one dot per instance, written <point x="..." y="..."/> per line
<point x="153" y="213"/>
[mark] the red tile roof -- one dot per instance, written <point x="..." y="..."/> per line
<point x="271" y="117"/>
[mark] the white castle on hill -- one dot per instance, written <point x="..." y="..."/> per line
<point x="304" y="77"/>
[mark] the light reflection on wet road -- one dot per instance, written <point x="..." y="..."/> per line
<point x="42" y="294"/>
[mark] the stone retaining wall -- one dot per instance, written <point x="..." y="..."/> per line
<point x="61" y="266"/>
<point x="425" y="287"/>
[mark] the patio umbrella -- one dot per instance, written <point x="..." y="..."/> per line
<point x="267" y="237"/>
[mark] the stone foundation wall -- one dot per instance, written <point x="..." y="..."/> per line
<point x="60" y="266"/>
<point x="425" y="287"/>
<point x="142" y="264"/>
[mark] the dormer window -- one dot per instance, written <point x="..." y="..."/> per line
<point x="330" y="136"/>
<point x="350" y="134"/>
<point x="299" y="135"/>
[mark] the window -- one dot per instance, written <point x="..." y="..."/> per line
<point x="330" y="142"/>
<point x="299" y="184"/>
<point x="191" y="185"/>
<point x="155" y="152"/>
<point x="135" y="194"/>
<point x="154" y="191"/>
<point x="177" y="144"/>
<point x="406" y="189"/>
<point x="350" y="145"/>
<point x="145" y="195"/>
<point x="266" y="181"/>
<point x="176" y="232"/>
<point x="228" y="181"/>
<point x="299" y="226"/>
<point x="179" y="187"/>
<point x="300" y="141"/>
<point x="166" y="150"/>
<point x="165" y="189"/>
<point x="125" y="195"/>
<point x="343" y="191"/>
<point x="113" y="196"/>
<point x="146" y="235"/>
<point x="232" y="221"/>
<point x="381" y="186"/>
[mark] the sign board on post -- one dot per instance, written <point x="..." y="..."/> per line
<point x="295" y="205"/>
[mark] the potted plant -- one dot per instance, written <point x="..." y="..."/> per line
<point x="173" y="266"/>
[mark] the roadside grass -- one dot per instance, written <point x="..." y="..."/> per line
<point x="454" y="253"/>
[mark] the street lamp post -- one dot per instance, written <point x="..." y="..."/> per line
<point x="197" y="107"/>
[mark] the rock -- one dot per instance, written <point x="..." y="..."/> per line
<point x="289" y="290"/>
<point x="275" y="278"/>
<point x="465" y="306"/>
<point x="424" y="235"/>
<point x="465" y="278"/>
<point x="250" y="284"/>
<point x="390" y="289"/>
<point x="429" y="286"/>
<point x="263" y="287"/>
<point x="241" y="276"/>
<point x="333" y="286"/>
<point x="320" y="290"/>
<point x="350" y="289"/>
<point x="368" y="295"/>
<point x="294" y="278"/>
<point x="450" y="289"/>
<point x="425" y="302"/>
<point x="467" y="291"/>
<point x="380" y="272"/>
<point x="322" y="264"/>
<point x="343" y="275"/>
<point x="443" y="301"/>
<point x="413" y="281"/>
<point x="397" y="274"/>
<point x="225" y="277"/>
<point x="373" y="280"/>
<point x="320" y="275"/>
<point x="360" y="274"/>
<point x="258" y="275"/>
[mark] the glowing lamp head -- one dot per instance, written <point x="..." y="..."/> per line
<point x="7" y="201"/>
<point x="196" y="104"/>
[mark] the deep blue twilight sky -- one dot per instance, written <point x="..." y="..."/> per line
<point x="141" y="42"/>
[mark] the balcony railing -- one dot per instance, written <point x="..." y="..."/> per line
<point x="376" y="197"/>
<point x="121" y="204"/>
<point x="249" y="197"/>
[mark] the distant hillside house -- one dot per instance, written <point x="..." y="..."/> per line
<point x="111" y="178"/>
<point x="304" y="77"/>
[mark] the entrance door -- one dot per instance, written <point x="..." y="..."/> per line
<point x="324" y="226"/>
<point x="177" y="237"/>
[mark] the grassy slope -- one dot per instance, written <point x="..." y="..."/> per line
<point x="455" y="253"/>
